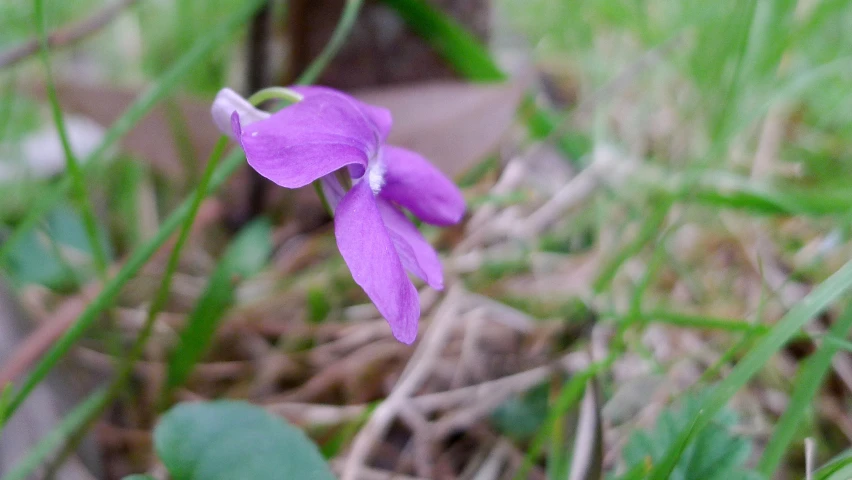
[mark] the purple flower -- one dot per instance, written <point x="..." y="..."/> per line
<point x="329" y="132"/>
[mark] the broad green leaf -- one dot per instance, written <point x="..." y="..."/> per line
<point x="230" y="440"/>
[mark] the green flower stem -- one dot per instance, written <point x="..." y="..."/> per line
<point x="344" y="26"/>
<point x="274" y="93"/>
<point x="78" y="183"/>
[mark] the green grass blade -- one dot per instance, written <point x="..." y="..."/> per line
<point x="141" y="107"/>
<point x="56" y="438"/>
<point x="78" y="183"/>
<point x="817" y="301"/>
<point x="139" y="257"/>
<point x="106" y="297"/>
<point x="840" y="343"/>
<point x="246" y="255"/>
<point x="650" y="229"/>
<point x="461" y="49"/>
<point x="344" y="25"/>
<point x="838" y="468"/>
<point x="569" y="396"/>
<point x="807" y="383"/>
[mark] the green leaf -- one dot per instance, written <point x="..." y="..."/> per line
<point x="229" y="440"/>
<point x="58" y="254"/>
<point x="461" y="49"/>
<point x="138" y="477"/>
<point x="246" y="255"/>
<point x="522" y="416"/>
<point x="715" y="453"/>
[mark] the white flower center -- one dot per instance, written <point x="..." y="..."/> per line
<point x="376" y="176"/>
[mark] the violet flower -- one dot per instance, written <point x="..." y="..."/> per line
<point x="327" y="133"/>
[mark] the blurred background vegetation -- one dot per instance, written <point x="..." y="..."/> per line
<point x="651" y="281"/>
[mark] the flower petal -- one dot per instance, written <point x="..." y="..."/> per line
<point x="371" y="256"/>
<point x="309" y="139"/>
<point x="417" y="256"/>
<point x="414" y="183"/>
<point x="380" y="116"/>
<point x="226" y="103"/>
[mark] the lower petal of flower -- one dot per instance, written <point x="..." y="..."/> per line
<point x="417" y="256"/>
<point x="369" y="251"/>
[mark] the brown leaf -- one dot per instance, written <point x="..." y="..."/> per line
<point x="153" y="138"/>
<point x="453" y="124"/>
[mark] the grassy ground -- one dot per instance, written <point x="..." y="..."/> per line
<point x="655" y="289"/>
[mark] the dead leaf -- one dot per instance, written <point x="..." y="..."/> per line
<point x="453" y="124"/>
<point x="153" y="138"/>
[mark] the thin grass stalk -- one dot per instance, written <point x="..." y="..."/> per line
<point x="125" y="366"/>
<point x="78" y="183"/>
<point x="814" y="303"/>
<point x="176" y="219"/>
<point x="143" y="104"/>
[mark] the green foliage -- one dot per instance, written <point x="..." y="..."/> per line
<point x="228" y="440"/>
<point x="714" y="454"/>
<point x="839" y="468"/>
<point x="319" y="305"/>
<point x="170" y="30"/>
<point x="836" y="286"/>
<point x="16" y="17"/>
<point x="246" y="255"/>
<point x="451" y="40"/>
<point x="59" y="255"/>
<point x="522" y="416"/>
<point x="807" y="385"/>
<point x="52" y="442"/>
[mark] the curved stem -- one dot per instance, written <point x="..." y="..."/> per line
<point x="274" y="93"/>
<point x="344" y="26"/>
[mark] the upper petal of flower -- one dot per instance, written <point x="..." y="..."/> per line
<point x="372" y="258"/>
<point x="381" y="117"/>
<point x="311" y="138"/>
<point x="414" y="183"/>
<point x="417" y="256"/>
<point x="226" y="103"/>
